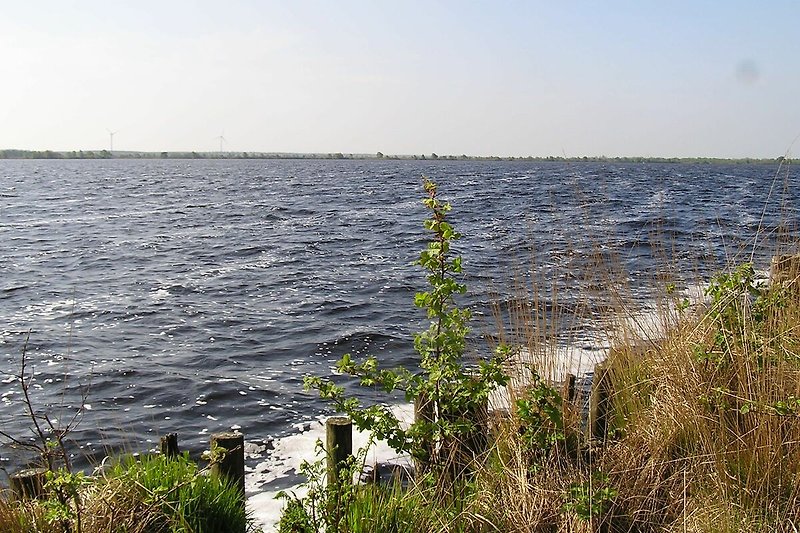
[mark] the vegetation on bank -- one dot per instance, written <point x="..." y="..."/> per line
<point x="120" y="154"/>
<point x="703" y="429"/>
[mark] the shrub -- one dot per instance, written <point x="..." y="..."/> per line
<point x="451" y="395"/>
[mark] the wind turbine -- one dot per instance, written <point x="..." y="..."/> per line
<point x="111" y="139"/>
<point x="222" y="139"/>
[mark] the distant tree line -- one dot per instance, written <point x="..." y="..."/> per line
<point x="105" y="154"/>
<point x="50" y="154"/>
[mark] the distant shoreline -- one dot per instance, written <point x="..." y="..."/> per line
<point x="105" y="154"/>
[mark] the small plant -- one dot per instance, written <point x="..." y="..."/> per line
<point x="592" y="499"/>
<point x="451" y="395"/>
<point x="325" y="507"/>
<point x="65" y="506"/>
<point x="541" y="417"/>
<point x="736" y="299"/>
<point x="50" y="436"/>
<point x="295" y="518"/>
<point x="345" y="507"/>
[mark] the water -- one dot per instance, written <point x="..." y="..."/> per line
<point x="192" y="296"/>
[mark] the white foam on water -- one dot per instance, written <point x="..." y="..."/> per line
<point x="554" y="361"/>
<point x="281" y="467"/>
<point x="160" y="294"/>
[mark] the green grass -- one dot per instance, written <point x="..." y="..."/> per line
<point x="172" y="494"/>
<point x="149" y="495"/>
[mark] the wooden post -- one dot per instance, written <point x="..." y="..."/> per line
<point x="28" y="484"/>
<point x="169" y="446"/>
<point x="231" y="465"/>
<point x="339" y="445"/>
<point x="568" y="393"/>
<point x="599" y="402"/>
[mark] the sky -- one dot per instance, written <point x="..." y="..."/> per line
<point x="509" y="78"/>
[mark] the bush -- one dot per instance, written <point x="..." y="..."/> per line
<point x="448" y="440"/>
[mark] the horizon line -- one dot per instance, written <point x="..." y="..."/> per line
<point x="17" y="153"/>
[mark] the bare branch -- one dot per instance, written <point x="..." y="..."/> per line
<point x="19" y="442"/>
<point x="28" y="403"/>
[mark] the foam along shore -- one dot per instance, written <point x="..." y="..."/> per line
<point x="279" y="471"/>
<point x="558" y="362"/>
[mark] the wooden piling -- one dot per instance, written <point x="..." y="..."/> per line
<point x="169" y="445"/>
<point x="339" y="445"/>
<point x="568" y="393"/>
<point x="28" y="484"/>
<point x="423" y="409"/>
<point x="227" y="452"/>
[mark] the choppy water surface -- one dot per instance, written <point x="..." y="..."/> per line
<point x="192" y="296"/>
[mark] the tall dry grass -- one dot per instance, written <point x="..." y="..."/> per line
<point x="712" y="407"/>
<point x="705" y="412"/>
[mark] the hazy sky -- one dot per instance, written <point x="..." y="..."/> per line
<point x="661" y="78"/>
